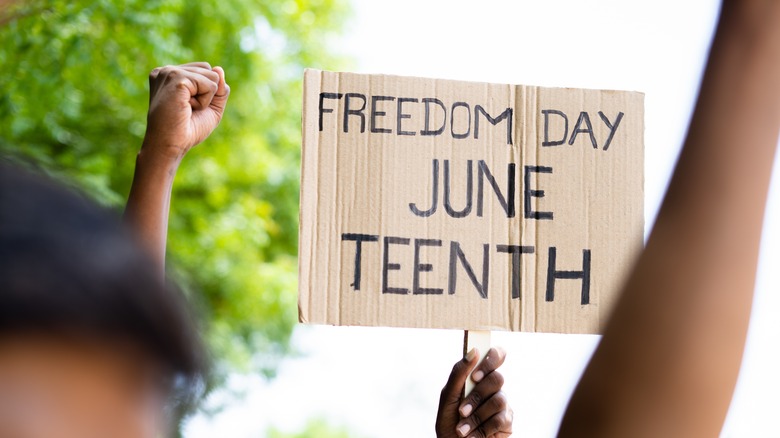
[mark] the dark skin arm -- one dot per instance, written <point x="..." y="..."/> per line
<point x="669" y="359"/>
<point x="186" y="104"/>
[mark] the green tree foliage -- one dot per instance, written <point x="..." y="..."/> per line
<point x="73" y="103"/>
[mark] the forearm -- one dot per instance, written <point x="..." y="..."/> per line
<point x="186" y="103"/>
<point x="149" y="201"/>
<point x="670" y="355"/>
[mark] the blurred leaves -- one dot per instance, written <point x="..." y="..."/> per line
<point x="73" y="103"/>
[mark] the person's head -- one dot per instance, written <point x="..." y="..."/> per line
<point x="92" y="342"/>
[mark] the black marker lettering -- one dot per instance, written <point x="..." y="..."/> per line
<point x="427" y="131"/>
<point x="375" y="114"/>
<point x="547" y="141"/>
<point x="387" y="266"/>
<point x="358" y="239"/>
<point x="507" y="114"/>
<point x="469" y="190"/>
<point x="456" y="254"/>
<point x="532" y="193"/>
<point x="584" y="118"/>
<point x="508" y="203"/>
<point x="423" y="267"/>
<point x="435" y="196"/>
<point x="401" y="115"/>
<point x="612" y="127"/>
<point x="354" y="112"/>
<point x="323" y="110"/>
<point x="516" y="251"/>
<point x="553" y="274"/>
<point x="452" y="120"/>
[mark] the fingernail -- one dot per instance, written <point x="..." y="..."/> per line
<point x="464" y="429"/>
<point x="466" y="410"/>
<point x="471" y="354"/>
<point x="477" y="376"/>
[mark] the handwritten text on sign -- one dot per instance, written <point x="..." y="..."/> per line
<point x="432" y="203"/>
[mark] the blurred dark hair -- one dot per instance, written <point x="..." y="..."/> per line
<point x="69" y="266"/>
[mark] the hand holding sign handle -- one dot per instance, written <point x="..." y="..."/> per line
<point x="484" y="412"/>
<point x="475" y="340"/>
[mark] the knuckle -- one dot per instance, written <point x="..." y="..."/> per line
<point x="491" y="427"/>
<point x="497" y="378"/>
<point x="475" y="398"/>
<point x="502" y="421"/>
<point x="459" y="367"/>
<point x="507" y="421"/>
<point x="500" y="401"/>
<point x="169" y="70"/>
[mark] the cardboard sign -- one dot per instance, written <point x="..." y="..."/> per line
<point x="444" y="204"/>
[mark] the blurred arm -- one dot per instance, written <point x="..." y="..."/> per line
<point x="669" y="359"/>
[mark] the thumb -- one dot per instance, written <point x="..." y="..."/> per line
<point x="453" y="390"/>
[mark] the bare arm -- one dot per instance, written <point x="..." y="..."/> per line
<point x="670" y="356"/>
<point x="186" y="104"/>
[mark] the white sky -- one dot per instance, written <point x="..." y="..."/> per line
<point x="385" y="382"/>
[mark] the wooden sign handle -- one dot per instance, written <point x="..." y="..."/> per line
<point x="479" y="339"/>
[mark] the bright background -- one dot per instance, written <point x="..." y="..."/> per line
<point x="385" y="382"/>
